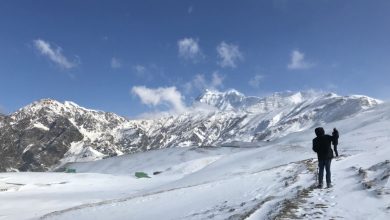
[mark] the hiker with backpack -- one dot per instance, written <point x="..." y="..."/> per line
<point x="335" y="135"/>
<point x="322" y="146"/>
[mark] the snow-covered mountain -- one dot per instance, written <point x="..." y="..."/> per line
<point x="250" y="181"/>
<point x="47" y="133"/>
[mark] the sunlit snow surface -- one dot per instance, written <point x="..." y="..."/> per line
<point x="266" y="180"/>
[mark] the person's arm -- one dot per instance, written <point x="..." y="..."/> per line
<point x="335" y="133"/>
<point x="315" y="148"/>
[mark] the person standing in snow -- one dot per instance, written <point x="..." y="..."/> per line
<point x="335" y="135"/>
<point x="322" y="146"/>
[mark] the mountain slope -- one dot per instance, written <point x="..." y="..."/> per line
<point x="47" y="134"/>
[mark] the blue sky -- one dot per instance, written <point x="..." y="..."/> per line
<point x="131" y="57"/>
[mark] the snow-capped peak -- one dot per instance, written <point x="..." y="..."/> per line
<point x="236" y="101"/>
<point x="296" y="98"/>
<point x="229" y="100"/>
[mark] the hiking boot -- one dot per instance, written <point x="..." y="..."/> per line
<point x="319" y="186"/>
<point x="329" y="185"/>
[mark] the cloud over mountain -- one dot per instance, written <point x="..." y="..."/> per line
<point x="160" y="96"/>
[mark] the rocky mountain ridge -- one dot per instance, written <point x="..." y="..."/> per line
<point x="47" y="133"/>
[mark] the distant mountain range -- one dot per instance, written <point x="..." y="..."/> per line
<point x="47" y="134"/>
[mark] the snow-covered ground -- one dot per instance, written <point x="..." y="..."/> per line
<point x="267" y="180"/>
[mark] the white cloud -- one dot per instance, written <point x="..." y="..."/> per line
<point x="298" y="61"/>
<point x="139" y="69"/>
<point x="217" y="80"/>
<point x="161" y="96"/>
<point x="256" y="80"/>
<point x="190" y="9"/>
<point x="148" y="71"/>
<point x="54" y="54"/>
<point x="189" y="49"/>
<point x="115" y="63"/>
<point x="199" y="82"/>
<point x="230" y="54"/>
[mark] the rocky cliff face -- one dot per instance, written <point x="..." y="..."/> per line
<point x="48" y="133"/>
<point x="24" y="147"/>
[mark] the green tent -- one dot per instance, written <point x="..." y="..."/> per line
<point x="70" y="170"/>
<point x="141" y="175"/>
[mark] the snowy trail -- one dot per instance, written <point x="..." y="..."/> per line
<point x="349" y="198"/>
<point x="346" y="198"/>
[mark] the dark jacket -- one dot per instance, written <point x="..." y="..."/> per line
<point x="322" y="146"/>
<point x="335" y="135"/>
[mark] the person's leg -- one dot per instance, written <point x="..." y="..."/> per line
<point x="321" y="165"/>
<point x="335" y="150"/>
<point x="328" y="174"/>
